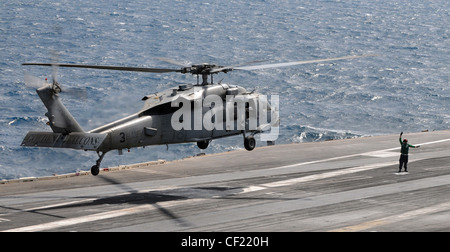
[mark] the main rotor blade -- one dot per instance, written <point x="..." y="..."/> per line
<point x="173" y="62"/>
<point x="230" y="68"/>
<point x="287" y="64"/>
<point x="117" y="68"/>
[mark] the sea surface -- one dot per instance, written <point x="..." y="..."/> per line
<point x="405" y="88"/>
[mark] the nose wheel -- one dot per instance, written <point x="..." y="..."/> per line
<point x="95" y="170"/>
<point x="249" y="143"/>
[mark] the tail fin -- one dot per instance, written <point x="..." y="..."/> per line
<point x="60" y="119"/>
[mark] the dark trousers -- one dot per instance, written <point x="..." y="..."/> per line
<point x="403" y="161"/>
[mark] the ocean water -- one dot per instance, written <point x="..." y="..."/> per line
<point x="405" y="88"/>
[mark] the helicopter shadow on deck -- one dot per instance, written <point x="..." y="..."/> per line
<point x="154" y="198"/>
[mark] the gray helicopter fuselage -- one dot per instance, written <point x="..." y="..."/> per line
<point x="153" y="125"/>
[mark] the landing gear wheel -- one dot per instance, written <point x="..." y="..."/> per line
<point x="249" y="143"/>
<point x="95" y="170"/>
<point x="203" y="144"/>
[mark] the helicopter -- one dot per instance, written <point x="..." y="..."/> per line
<point x="197" y="112"/>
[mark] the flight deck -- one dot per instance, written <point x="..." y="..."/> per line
<point x="339" y="186"/>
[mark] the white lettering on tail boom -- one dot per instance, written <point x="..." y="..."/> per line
<point x="74" y="140"/>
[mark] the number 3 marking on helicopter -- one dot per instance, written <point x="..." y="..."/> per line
<point x="122" y="137"/>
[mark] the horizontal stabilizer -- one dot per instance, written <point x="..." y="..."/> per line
<point x="74" y="140"/>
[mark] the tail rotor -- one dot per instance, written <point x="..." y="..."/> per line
<point x="37" y="83"/>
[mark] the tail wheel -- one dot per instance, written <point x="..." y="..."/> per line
<point x="249" y="143"/>
<point x="95" y="170"/>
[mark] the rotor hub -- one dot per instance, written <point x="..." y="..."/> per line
<point x="204" y="68"/>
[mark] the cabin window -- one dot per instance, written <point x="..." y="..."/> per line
<point x="162" y="109"/>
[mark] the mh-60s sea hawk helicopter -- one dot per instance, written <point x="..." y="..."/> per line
<point x="188" y="113"/>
